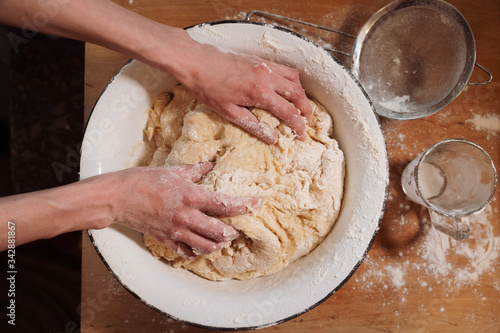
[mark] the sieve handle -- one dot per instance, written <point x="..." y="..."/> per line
<point x="261" y="13"/>
<point x="490" y="76"/>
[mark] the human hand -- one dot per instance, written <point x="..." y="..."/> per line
<point x="229" y="83"/>
<point x="166" y="204"/>
<point x="226" y="82"/>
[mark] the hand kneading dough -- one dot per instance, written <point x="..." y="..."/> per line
<point x="301" y="181"/>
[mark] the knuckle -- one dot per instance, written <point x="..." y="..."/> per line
<point x="295" y="76"/>
<point x="296" y="91"/>
<point x="288" y="113"/>
<point x="261" y="69"/>
<point x="258" y="90"/>
<point x="192" y="200"/>
<point x="292" y="74"/>
<point x="180" y="218"/>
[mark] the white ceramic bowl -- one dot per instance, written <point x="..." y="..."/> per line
<point x="114" y="140"/>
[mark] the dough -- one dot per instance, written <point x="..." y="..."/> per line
<point x="301" y="181"/>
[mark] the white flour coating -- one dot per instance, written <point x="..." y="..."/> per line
<point x="455" y="264"/>
<point x="466" y="261"/>
<point x="490" y="123"/>
<point x="397" y="104"/>
<point x="301" y="181"/>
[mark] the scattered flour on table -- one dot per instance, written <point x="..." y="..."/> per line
<point x="443" y="261"/>
<point x="397" y="276"/>
<point x="239" y="16"/>
<point x="462" y="262"/>
<point x="489" y="123"/>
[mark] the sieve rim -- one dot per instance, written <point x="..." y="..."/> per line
<point x="439" y="6"/>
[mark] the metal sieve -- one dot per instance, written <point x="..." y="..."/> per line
<point x="412" y="57"/>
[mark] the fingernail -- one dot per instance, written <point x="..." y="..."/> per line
<point x="268" y="134"/>
<point x="185" y="253"/>
<point x="230" y="233"/>
<point x="303" y="137"/>
<point x="203" y="168"/>
<point x="307" y="119"/>
<point x="214" y="248"/>
<point x="258" y="202"/>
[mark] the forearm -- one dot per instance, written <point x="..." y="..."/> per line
<point x="45" y="214"/>
<point x="107" y="24"/>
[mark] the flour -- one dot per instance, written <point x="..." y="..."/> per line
<point x="399" y="104"/>
<point x="237" y="16"/>
<point x="462" y="263"/>
<point x="443" y="260"/>
<point x="489" y="123"/>
<point x="397" y="277"/>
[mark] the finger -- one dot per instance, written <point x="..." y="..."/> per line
<point x="219" y="204"/>
<point x="246" y="120"/>
<point x="209" y="227"/>
<point x="299" y="99"/>
<point x="288" y="113"/>
<point x="302" y="103"/>
<point x="291" y="89"/>
<point x="182" y="249"/>
<point x="193" y="172"/>
<point x="196" y="242"/>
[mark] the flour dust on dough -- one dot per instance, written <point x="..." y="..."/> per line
<point x="301" y="181"/>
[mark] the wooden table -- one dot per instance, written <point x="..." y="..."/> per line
<point x="407" y="282"/>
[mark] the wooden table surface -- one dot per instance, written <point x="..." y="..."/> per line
<point x="413" y="279"/>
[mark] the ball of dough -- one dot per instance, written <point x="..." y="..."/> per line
<point x="302" y="182"/>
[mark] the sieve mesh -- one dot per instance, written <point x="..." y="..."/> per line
<point x="412" y="59"/>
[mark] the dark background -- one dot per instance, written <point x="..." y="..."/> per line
<point x="41" y="128"/>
